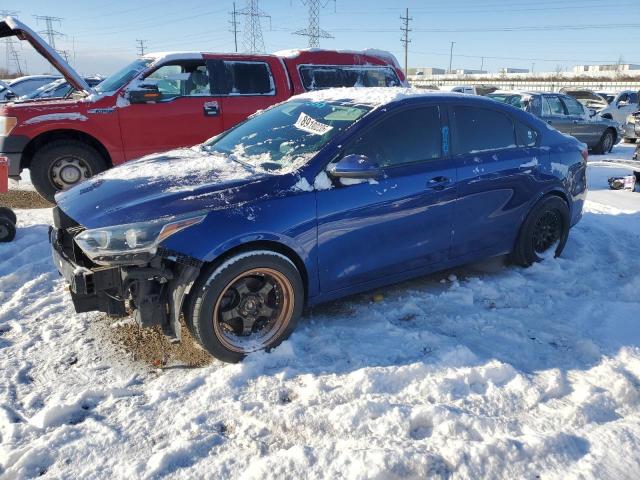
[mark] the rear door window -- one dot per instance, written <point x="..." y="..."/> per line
<point x="406" y="137"/>
<point x="316" y="77"/>
<point x="480" y="129"/>
<point x="237" y="77"/>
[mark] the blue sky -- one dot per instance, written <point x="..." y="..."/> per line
<point x="105" y="32"/>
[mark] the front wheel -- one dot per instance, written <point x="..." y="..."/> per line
<point x="544" y="232"/>
<point x="61" y="164"/>
<point x="251" y="302"/>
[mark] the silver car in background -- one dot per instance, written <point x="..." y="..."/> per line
<point x="566" y="114"/>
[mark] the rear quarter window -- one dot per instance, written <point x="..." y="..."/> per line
<point x="317" y="77"/>
<point x="480" y="129"/>
<point x="236" y="77"/>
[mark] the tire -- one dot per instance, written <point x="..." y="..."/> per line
<point x="605" y="145"/>
<point x="235" y="287"/>
<point x="61" y="164"/>
<point x="8" y="214"/>
<point x="7" y="230"/>
<point x="526" y="252"/>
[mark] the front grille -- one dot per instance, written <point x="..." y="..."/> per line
<point x="68" y="228"/>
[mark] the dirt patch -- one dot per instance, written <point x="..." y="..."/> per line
<point x="26" y="199"/>
<point x="151" y="347"/>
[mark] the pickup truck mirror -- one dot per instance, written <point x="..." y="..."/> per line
<point x="355" y="166"/>
<point x="145" y="94"/>
<point x="10" y="96"/>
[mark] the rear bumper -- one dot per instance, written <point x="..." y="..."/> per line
<point x="12" y="147"/>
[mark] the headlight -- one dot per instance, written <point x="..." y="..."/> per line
<point x="131" y="243"/>
<point x="631" y="119"/>
<point x="6" y="125"/>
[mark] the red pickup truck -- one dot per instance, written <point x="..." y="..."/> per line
<point x="162" y="101"/>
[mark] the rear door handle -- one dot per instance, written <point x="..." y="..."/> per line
<point x="439" y="183"/>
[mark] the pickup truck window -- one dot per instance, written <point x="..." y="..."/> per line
<point x="181" y="79"/>
<point x="316" y="77"/>
<point x="240" y="77"/>
<point x="117" y="80"/>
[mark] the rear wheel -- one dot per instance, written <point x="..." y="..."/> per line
<point x="544" y="232"/>
<point x="7" y="230"/>
<point x="251" y="302"/>
<point x="61" y="164"/>
<point x="8" y="214"/>
<point x="605" y="145"/>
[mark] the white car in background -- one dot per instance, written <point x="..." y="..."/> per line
<point x="623" y="105"/>
<point x="472" y="89"/>
<point x="25" y="85"/>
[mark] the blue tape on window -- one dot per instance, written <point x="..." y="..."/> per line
<point x="445" y="140"/>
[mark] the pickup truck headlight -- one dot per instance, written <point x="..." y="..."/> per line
<point x="6" y="125"/>
<point x="131" y="243"/>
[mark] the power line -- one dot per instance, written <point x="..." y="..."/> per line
<point x="11" y="54"/>
<point x="405" y="40"/>
<point x="234" y="26"/>
<point x="51" y="34"/>
<point x="141" y="46"/>
<point x="253" y="41"/>
<point x="313" y="30"/>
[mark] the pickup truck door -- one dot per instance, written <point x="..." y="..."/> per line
<point x="246" y="84"/>
<point x="187" y="114"/>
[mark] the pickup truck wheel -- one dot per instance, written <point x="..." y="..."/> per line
<point x="251" y="302"/>
<point x="7" y="230"/>
<point x="61" y="164"/>
<point x="8" y="214"/>
<point x="543" y="233"/>
<point x="605" y="145"/>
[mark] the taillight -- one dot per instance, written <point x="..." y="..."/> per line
<point x="585" y="155"/>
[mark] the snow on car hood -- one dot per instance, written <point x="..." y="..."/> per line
<point x="169" y="183"/>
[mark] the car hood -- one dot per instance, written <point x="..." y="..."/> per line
<point x="166" y="184"/>
<point x="12" y="27"/>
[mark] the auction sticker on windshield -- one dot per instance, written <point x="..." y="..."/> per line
<point x="310" y="125"/>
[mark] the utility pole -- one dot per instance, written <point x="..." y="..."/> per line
<point x="234" y="25"/>
<point x="253" y="41"/>
<point x="451" y="56"/>
<point x="481" y="64"/>
<point x="405" y="40"/>
<point x="51" y="33"/>
<point x="313" y="30"/>
<point x="141" y="47"/>
<point x="533" y="64"/>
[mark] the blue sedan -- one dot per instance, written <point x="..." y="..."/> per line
<point x="328" y="194"/>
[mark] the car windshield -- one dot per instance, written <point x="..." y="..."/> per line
<point x="286" y="136"/>
<point x="508" y="98"/>
<point x="116" y="80"/>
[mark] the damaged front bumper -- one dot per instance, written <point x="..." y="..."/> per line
<point x="153" y="292"/>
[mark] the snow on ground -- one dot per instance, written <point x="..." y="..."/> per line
<point x="488" y="371"/>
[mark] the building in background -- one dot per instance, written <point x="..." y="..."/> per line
<point x="616" y="67"/>
<point x="427" y="71"/>
<point x="468" y="71"/>
<point x="514" y="70"/>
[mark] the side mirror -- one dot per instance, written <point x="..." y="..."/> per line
<point x="145" y="94"/>
<point x="623" y="103"/>
<point x="10" y="96"/>
<point x="355" y="166"/>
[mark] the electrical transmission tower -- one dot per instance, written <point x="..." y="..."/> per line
<point x="51" y="33"/>
<point x="142" y="45"/>
<point x="313" y="30"/>
<point x="12" y="56"/>
<point x="405" y="39"/>
<point x="253" y="41"/>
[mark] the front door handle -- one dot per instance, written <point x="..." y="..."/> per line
<point x="439" y="183"/>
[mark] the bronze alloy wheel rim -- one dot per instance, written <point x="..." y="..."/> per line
<point x="253" y="310"/>
<point x="67" y="171"/>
